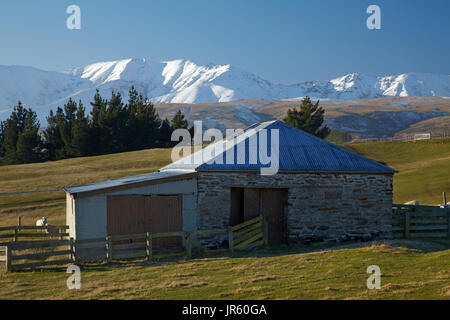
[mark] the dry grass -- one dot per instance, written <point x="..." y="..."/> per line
<point x="315" y="272"/>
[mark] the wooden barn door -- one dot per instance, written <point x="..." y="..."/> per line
<point x="249" y="203"/>
<point x="126" y="215"/>
<point x="134" y="214"/>
<point x="252" y="203"/>
<point x="165" y="216"/>
<point x="272" y="207"/>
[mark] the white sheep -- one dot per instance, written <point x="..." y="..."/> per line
<point x="42" y="222"/>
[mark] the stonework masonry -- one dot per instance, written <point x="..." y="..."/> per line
<point x="323" y="205"/>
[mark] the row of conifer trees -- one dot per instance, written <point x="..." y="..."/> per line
<point x="112" y="126"/>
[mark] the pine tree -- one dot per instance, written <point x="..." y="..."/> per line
<point x="142" y="128"/>
<point x="2" y="140"/>
<point x="113" y="125"/>
<point x="20" y="137"/>
<point x="52" y="138"/>
<point x="179" y="121"/>
<point x="148" y="123"/>
<point x="12" y="128"/>
<point x="67" y="132"/>
<point x="132" y="125"/>
<point x="66" y="122"/>
<point x="309" y="118"/>
<point x="165" y="134"/>
<point x="96" y="136"/>
<point x="79" y="132"/>
<point x="29" y="141"/>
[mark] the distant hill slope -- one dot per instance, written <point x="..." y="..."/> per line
<point x="184" y="81"/>
<point x="366" y="118"/>
<point x="424" y="167"/>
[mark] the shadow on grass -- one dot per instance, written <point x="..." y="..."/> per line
<point x="30" y="205"/>
<point x="421" y="245"/>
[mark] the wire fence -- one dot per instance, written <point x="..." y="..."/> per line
<point x="412" y="137"/>
<point x="30" y="192"/>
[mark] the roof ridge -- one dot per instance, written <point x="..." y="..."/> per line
<point x="332" y="145"/>
<point x="298" y="150"/>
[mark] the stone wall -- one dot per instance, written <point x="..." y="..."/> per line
<point x="323" y="205"/>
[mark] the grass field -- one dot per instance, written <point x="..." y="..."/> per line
<point x="411" y="270"/>
<point x="60" y="174"/>
<point x="424" y="167"/>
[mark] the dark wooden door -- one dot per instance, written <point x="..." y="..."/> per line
<point x="135" y="214"/>
<point x="252" y="202"/>
<point x="272" y="207"/>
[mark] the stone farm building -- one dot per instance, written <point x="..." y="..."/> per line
<point x="321" y="190"/>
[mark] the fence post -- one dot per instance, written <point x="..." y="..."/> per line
<point x="15" y="234"/>
<point x="72" y="249"/>
<point x="8" y="258"/>
<point x="448" y="222"/>
<point x="148" y="246"/>
<point x="265" y="231"/>
<point x="19" y="221"/>
<point x="407" y="218"/>
<point x="444" y="198"/>
<point x="108" y="249"/>
<point x="189" y="244"/>
<point x="230" y="239"/>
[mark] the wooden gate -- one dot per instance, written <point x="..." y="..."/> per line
<point x="135" y="214"/>
<point x="420" y="222"/>
<point x="249" y="203"/>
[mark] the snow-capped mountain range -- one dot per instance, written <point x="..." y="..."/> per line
<point x="183" y="81"/>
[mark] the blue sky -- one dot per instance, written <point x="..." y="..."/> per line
<point x="285" y="41"/>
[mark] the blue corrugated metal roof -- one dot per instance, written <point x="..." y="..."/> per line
<point x="298" y="151"/>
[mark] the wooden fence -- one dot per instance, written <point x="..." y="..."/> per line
<point x="420" y="222"/>
<point x="245" y="236"/>
<point x="4" y="253"/>
<point x="13" y="233"/>
<point x="18" y="255"/>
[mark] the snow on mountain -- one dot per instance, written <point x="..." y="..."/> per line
<point x="356" y="86"/>
<point x="35" y="87"/>
<point x="183" y="81"/>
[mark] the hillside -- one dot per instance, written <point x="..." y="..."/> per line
<point x="59" y="174"/>
<point x="366" y="118"/>
<point x="424" y="167"/>
<point x="423" y="174"/>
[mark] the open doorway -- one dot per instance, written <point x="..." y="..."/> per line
<point x="249" y="203"/>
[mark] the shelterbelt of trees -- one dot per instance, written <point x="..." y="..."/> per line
<point x="111" y="127"/>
